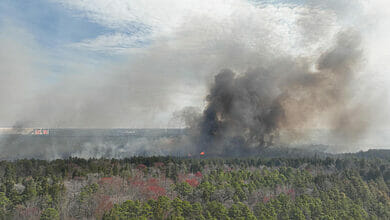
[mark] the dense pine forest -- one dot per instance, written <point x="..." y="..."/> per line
<point x="353" y="186"/>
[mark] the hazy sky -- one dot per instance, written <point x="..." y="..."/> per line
<point x="125" y="63"/>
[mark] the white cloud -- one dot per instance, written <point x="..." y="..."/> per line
<point x="166" y="18"/>
<point x="111" y="43"/>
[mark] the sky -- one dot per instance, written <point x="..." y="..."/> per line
<point x="126" y="63"/>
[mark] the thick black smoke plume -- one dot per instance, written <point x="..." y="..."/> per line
<point x="247" y="112"/>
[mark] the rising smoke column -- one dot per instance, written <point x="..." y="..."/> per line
<point x="250" y="38"/>
<point x="246" y="112"/>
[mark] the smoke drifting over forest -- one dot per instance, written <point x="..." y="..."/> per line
<point x="239" y="76"/>
<point x="247" y="112"/>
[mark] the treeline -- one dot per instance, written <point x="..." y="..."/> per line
<point x="332" y="205"/>
<point x="196" y="188"/>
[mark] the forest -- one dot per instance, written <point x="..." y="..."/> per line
<point x="350" y="186"/>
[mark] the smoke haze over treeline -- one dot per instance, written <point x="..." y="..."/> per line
<point x="250" y="110"/>
<point x="241" y="75"/>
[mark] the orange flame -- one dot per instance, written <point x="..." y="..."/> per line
<point x="202" y="153"/>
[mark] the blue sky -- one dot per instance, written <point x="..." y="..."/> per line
<point x="53" y="28"/>
<point x="51" y="24"/>
<point x="58" y="29"/>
